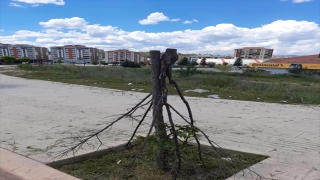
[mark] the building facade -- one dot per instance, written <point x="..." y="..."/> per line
<point x="24" y="51"/>
<point x="6" y="50"/>
<point x="253" y="53"/>
<point x="122" y="55"/>
<point x="74" y="54"/>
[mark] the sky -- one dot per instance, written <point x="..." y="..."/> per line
<point x="290" y="27"/>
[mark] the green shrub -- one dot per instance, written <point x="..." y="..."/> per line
<point x="303" y="71"/>
<point x="8" y="59"/>
<point x="130" y="64"/>
<point x="27" y="67"/>
<point x="255" y="71"/>
<point x="211" y="64"/>
<point x="94" y="63"/>
<point x="223" y="67"/>
<point x="114" y="63"/>
<point x="24" y="59"/>
<point x="188" y="70"/>
<point x="183" y="62"/>
<point x="104" y="63"/>
<point x="194" y="63"/>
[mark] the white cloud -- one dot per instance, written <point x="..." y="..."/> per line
<point x="189" y="22"/>
<point x="175" y="20"/>
<point x="298" y="1"/>
<point x="301" y="1"/>
<point x="56" y="2"/>
<point x="16" y="5"/>
<point x="284" y="36"/>
<point x="44" y="40"/>
<point x="69" y="23"/>
<point x="154" y="18"/>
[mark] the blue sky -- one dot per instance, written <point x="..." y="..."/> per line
<point x="191" y="26"/>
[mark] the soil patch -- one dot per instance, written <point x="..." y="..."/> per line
<point x="116" y="164"/>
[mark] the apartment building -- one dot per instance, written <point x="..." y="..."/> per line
<point x="253" y="53"/>
<point x="24" y="50"/>
<point x="75" y="54"/>
<point x="41" y="53"/>
<point x="5" y="50"/>
<point x="122" y="55"/>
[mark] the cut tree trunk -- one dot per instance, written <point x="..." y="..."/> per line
<point x="160" y="129"/>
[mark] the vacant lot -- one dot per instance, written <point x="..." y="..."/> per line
<point x="251" y="86"/>
<point x="35" y="114"/>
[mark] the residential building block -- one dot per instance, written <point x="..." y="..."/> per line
<point x="24" y="50"/>
<point x="253" y="53"/>
<point x="122" y="55"/>
<point x="74" y="54"/>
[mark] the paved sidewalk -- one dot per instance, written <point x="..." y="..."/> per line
<point x="34" y="114"/>
<point x="16" y="167"/>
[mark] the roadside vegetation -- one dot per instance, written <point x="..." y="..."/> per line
<point x="249" y="85"/>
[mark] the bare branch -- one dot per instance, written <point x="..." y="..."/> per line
<point x="140" y="107"/>
<point x="135" y="131"/>
<point x="205" y="135"/>
<point x="78" y="146"/>
<point x="175" y="138"/>
<point x="184" y="100"/>
<point x="147" y="137"/>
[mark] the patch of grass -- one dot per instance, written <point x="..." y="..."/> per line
<point x="115" y="164"/>
<point x="249" y="86"/>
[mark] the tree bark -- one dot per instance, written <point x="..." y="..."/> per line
<point x="160" y="129"/>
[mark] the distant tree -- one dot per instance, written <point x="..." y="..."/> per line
<point x="130" y="64"/>
<point x="24" y="59"/>
<point x="114" y="63"/>
<point x="142" y="63"/>
<point x="183" y="62"/>
<point x="104" y="63"/>
<point x="102" y="53"/>
<point x="203" y="62"/>
<point x="188" y="70"/>
<point x="223" y="68"/>
<point x="59" y="61"/>
<point x="238" y="62"/>
<point x="194" y="63"/>
<point x="8" y="59"/>
<point x="211" y="64"/>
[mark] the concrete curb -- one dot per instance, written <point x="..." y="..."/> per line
<point x="16" y="167"/>
<point x="86" y="156"/>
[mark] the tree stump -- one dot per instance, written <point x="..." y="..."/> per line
<point x="159" y="125"/>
